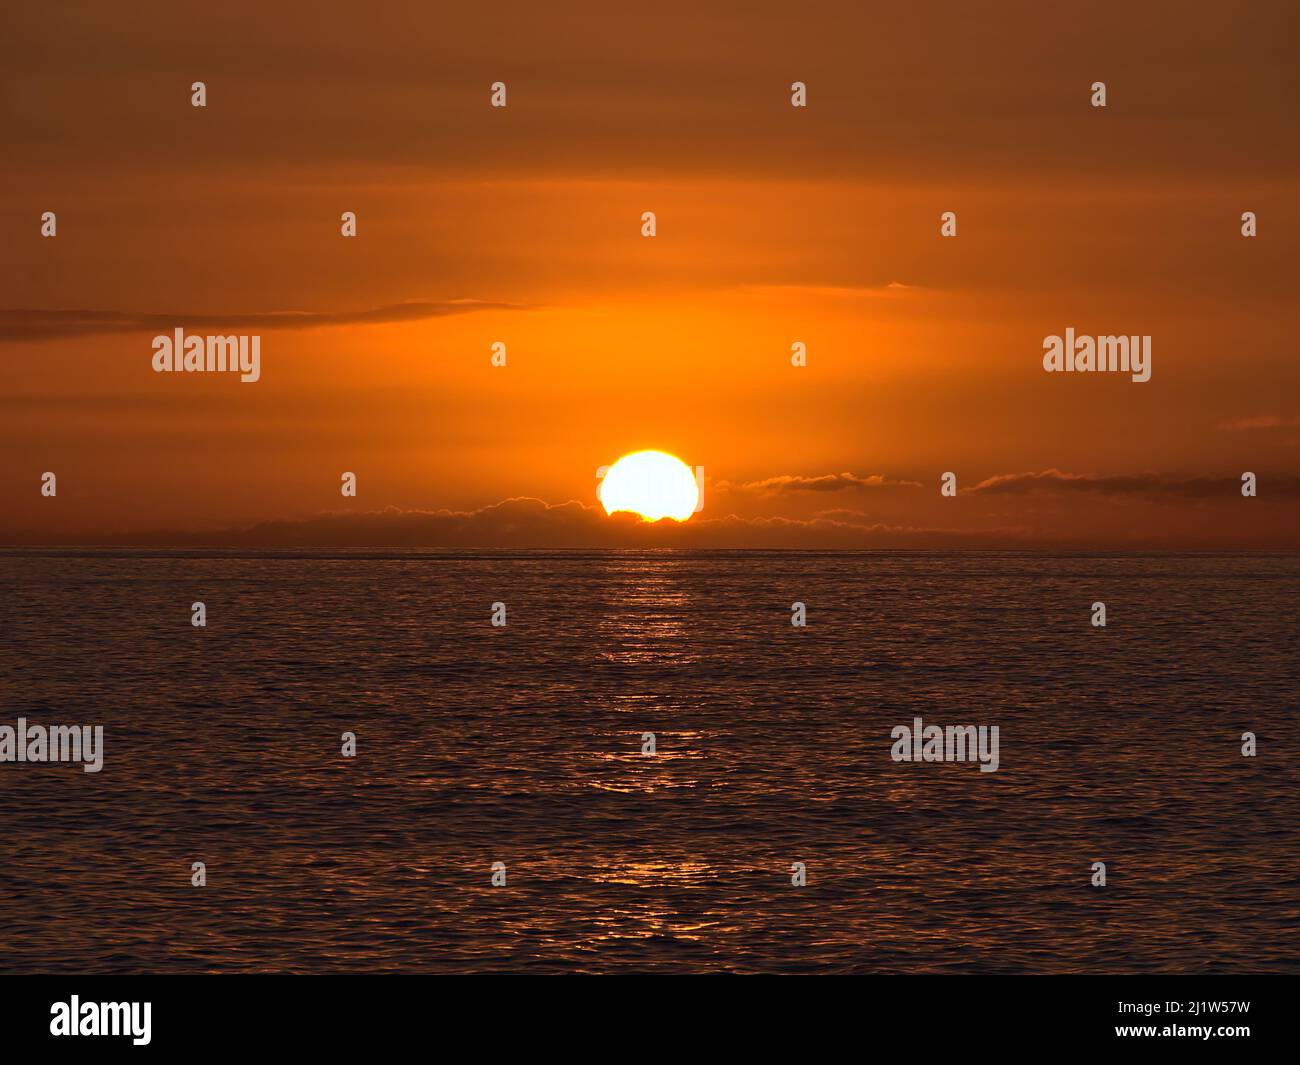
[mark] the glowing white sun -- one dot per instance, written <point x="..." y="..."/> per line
<point x="653" y="484"/>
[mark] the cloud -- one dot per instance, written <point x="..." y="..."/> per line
<point x="52" y="324"/>
<point x="881" y="288"/>
<point x="829" y="482"/>
<point x="525" y="523"/>
<point x="1259" y="421"/>
<point x="600" y="99"/>
<point x="840" y="514"/>
<point x="1153" y="486"/>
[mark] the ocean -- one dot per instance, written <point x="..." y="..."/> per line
<point x="522" y="745"/>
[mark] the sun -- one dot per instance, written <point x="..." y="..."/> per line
<point x="653" y="484"/>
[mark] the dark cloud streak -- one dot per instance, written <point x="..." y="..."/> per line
<point x="20" y="324"/>
<point x="1152" y="486"/>
<point x="827" y="482"/>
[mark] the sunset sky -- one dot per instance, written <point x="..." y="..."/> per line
<point x="775" y="224"/>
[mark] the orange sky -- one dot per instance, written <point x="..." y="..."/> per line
<point x="775" y="225"/>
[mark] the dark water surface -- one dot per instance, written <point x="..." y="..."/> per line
<point x="523" y="745"/>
